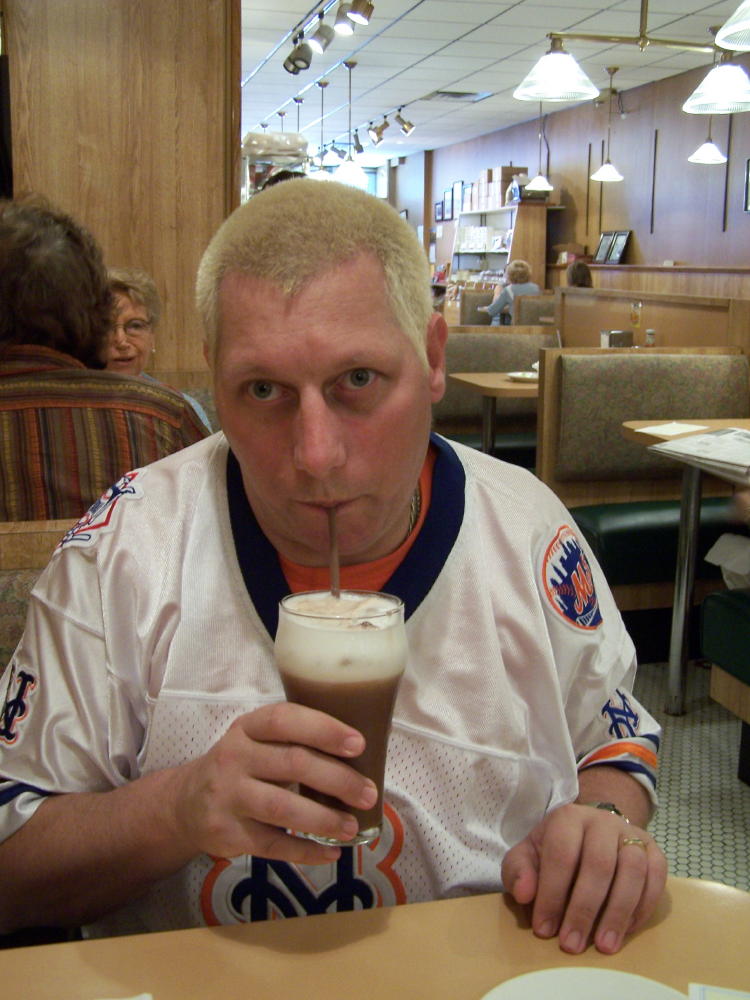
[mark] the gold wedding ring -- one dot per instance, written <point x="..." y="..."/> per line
<point x="634" y="841"/>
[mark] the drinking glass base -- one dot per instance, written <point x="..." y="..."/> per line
<point x="363" y="837"/>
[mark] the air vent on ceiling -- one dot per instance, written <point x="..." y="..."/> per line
<point x="460" y="96"/>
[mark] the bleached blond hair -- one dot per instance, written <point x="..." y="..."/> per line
<point x="294" y="232"/>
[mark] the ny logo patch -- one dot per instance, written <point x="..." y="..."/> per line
<point x="16" y="705"/>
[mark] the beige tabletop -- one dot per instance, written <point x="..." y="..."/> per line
<point x="450" y="950"/>
<point x="632" y="429"/>
<point x="493" y="386"/>
<point x="497" y="385"/>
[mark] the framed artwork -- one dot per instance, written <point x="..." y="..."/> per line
<point x="458" y="197"/>
<point x="448" y="204"/>
<point x="747" y="185"/>
<point x="617" y="247"/>
<point x="605" y="244"/>
<point x="438" y="211"/>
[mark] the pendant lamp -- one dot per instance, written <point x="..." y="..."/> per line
<point x="556" y="77"/>
<point x="540" y="182"/>
<point x="725" y="91"/>
<point x="708" y="152"/>
<point x="350" y="172"/>
<point x="607" y="172"/>
<point x="734" y="34"/>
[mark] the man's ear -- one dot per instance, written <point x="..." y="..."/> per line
<point x="437" y="334"/>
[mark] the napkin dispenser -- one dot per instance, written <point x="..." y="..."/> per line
<point x="616" y="338"/>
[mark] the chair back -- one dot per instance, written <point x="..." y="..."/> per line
<point x="471" y="299"/>
<point x="25" y="549"/>
<point x="532" y="309"/>
<point x="460" y="409"/>
<point x="586" y="394"/>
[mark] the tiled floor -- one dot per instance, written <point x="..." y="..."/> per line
<point x="703" y="821"/>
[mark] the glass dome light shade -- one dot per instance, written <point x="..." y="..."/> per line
<point x="556" y="77"/>
<point x="734" y="34"/>
<point x="607" y="174"/>
<point x="352" y="174"/>
<point x="539" y="183"/>
<point x="708" y="152"/>
<point x="724" y="91"/>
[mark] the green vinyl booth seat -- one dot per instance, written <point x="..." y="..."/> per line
<point x="725" y="641"/>
<point x="636" y="542"/>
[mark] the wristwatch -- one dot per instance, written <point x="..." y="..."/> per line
<point x="608" y="807"/>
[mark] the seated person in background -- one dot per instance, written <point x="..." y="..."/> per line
<point x="517" y="282"/>
<point x="578" y="275"/>
<point x="163" y="795"/>
<point x="136" y="316"/>
<point x="69" y="429"/>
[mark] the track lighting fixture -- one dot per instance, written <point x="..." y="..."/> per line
<point x="343" y="24"/>
<point x="373" y="134"/>
<point x="361" y="11"/>
<point x="407" y="127"/>
<point x="323" y="36"/>
<point x="358" y="147"/>
<point x="300" y="57"/>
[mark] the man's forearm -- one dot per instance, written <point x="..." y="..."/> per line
<point x="82" y="855"/>
<point x="610" y="784"/>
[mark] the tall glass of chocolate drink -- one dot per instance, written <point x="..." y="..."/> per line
<point x="345" y="655"/>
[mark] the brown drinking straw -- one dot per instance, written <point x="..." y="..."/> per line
<point x="333" y="553"/>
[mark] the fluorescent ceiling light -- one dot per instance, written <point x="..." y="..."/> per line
<point x="734" y="34"/>
<point x="556" y="77"/>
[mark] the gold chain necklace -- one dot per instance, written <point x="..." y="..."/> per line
<point x="415" y="507"/>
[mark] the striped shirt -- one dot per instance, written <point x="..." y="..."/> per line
<point x="68" y="432"/>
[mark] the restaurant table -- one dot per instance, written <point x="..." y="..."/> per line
<point x="690" y="504"/>
<point x="493" y="386"/>
<point x="454" y="949"/>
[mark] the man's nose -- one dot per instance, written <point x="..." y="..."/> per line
<point x="319" y="445"/>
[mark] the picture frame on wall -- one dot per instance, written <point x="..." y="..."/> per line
<point x="458" y="197"/>
<point x="605" y="244"/>
<point x="618" y="245"/>
<point x="448" y="204"/>
<point x="438" y="211"/>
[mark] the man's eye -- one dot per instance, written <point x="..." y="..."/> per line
<point x="360" y="377"/>
<point x="263" y="390"/>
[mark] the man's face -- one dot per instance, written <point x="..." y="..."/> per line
<point x="131" y="338"/>
<point x="325" y="403"/>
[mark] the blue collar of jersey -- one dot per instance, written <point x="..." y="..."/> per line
<point x="411" y="581"/>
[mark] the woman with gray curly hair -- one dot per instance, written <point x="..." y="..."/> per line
<point x="517" y="282"/>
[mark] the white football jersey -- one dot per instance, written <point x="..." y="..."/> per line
<point x="152" y="629"/>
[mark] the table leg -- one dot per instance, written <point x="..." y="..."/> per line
<point x="690" y="505"/>
<point x="489" y="416"/>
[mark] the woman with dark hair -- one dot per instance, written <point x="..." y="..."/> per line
<point x="69" y="430"/>
<point x="579" y="275"/>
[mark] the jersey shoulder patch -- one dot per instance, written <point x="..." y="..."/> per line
<point x="98" y="517"/>
<point x="568" y="581"/>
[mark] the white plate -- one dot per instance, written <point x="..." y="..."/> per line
<point x="577" y="983"/>
<point x="523" y="376"/>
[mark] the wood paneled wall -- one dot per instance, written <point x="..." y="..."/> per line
<point x="689" y="213"/>
<point x="126" y="114"/>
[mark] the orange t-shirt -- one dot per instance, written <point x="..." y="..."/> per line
<point x="364" y="576"/>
